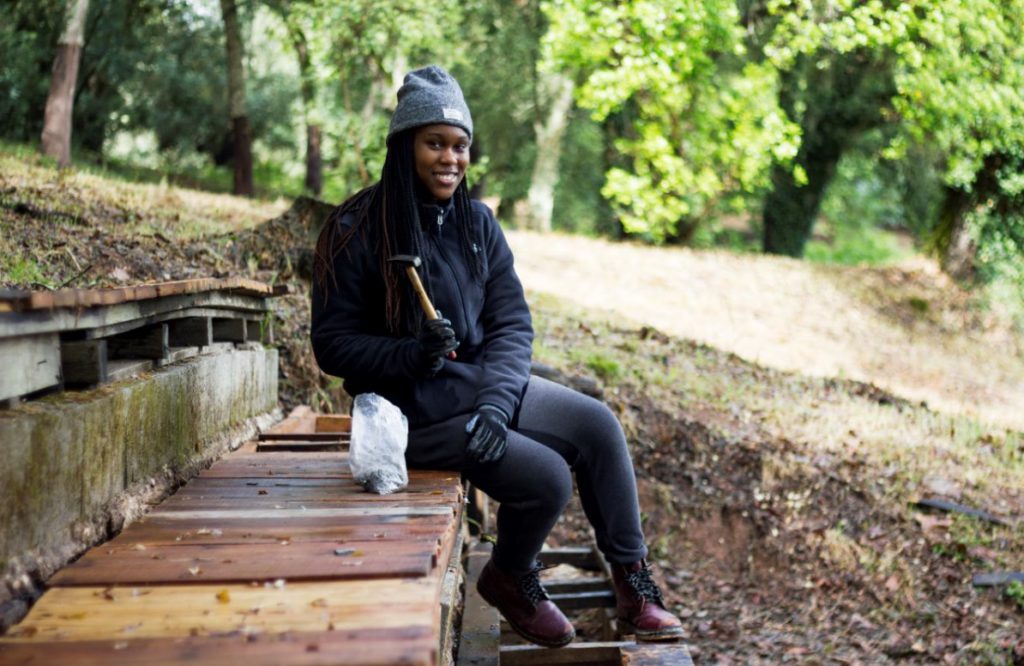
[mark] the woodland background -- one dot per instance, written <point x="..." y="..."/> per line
<point x="840" y="130"/>
<point x="781" y="239"/>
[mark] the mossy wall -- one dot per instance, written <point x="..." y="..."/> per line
<point x="70" y="463"/>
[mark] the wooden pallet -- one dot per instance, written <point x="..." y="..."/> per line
<point x="84" y="337"/>
<point x="304" y="430"/>
<point x="486" y="640"/>
<point x="272" y="557"/>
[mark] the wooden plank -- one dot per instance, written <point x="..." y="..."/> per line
<point x="574" y="586"/>
<point x="84" y="362"/>
<point x="150" y="342"/>
<point x="90" y="613"/>
<point x="265" y="446"/>
<point x="23" y="301"/>
<point x="656" y="654"/>
<point x="191" y="332"/>
<point x="261" y="465"/>
<point x="30" y="364"/>
<point x="578" y="654"/>
<point x="451" y="595"/>
<point x="289" y="513"/>
<point x="581" y="558"/>
<point x="412" y="646"/>
<point x="347" y="502"/>
<point x="583" y="600"/>
<point x="333" y="423"/>
<point x="110" y="320"/>
<point x="240" y="531"/>
<point x="481" y="624"/>
<point x="151" y="320"/>
<point x="229" y="330"/>
<point x="205" y="563"/>
<point x="345" y="490"/>
<point x="307" y="436"/>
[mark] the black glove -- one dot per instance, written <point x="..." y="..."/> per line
<point x="436" y="339"/>
<point x="487" y="431"/>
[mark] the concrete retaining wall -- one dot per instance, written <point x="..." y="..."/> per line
<point x="76" y="465"/>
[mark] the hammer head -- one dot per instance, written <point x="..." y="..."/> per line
<point x="410" y="259"/>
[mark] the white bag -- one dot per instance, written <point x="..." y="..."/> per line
<point x="380" y="433"/>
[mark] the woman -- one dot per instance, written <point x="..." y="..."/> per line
<point x="463" y="379"/>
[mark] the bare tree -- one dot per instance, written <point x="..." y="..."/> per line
<point x="540" y="199"/>
<point x="240" y="133"/>
<point x="56" y="139"/>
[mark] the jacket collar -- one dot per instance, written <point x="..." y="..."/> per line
<point x="429" y="212"/>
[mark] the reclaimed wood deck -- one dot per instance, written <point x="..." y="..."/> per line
<point x="267" y="557"/>
<point x="76" y="338"/>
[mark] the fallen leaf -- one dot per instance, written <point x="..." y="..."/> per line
<point x="224" y="596"/>
<point x="195" y="571"/>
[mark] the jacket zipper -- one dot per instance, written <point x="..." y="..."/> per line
<point x="455" y="278"/>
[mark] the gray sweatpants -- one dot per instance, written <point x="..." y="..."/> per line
<point x="558" y="433"/>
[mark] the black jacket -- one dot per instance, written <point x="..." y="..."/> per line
<point x="491" y="321"/>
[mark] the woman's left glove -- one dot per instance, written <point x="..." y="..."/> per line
<point x="487" y="431"/>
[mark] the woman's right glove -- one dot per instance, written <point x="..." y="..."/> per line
<point x="487" y="431"/>
<point x="436" y="340"/>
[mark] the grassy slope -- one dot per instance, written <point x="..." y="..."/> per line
<point x="776" y="497"/>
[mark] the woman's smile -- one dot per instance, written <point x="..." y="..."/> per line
<point x="441" y="156"/>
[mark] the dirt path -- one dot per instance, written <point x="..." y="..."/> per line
<point x="932" y="345"/>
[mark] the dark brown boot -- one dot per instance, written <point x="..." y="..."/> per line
<point x="525" y="605"/>
<point x="641" y="610"/>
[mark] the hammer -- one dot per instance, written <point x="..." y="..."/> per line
<point x="412" y="262"/>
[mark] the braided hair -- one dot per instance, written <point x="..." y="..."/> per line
<point x="389" y="211"/>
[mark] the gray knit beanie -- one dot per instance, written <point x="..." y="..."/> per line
<point x="428" y="96"/>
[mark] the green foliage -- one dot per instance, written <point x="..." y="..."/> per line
<point x="20" y="270"/>
<point x="704" y="122"/>
<point x="607" y="369"/>
<point x="28" y="36"/>
<point x="1015" y="593"/>
<point x="579" y="207"/>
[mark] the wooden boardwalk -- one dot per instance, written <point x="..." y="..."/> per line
<point x="76" y="338"/>
<point x="271" y="556"/>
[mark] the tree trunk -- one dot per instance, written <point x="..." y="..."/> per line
<point x="314" y="161"/>
<point x="540" y="199"/>
<point x="790" y="209"/>
<point x="241" y="135"/>
<point x="840" y="103"/>
<point x="56" y="138"/>
<point x="952" y="237"/>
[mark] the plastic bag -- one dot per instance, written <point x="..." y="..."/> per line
<point x="380" y="432"/>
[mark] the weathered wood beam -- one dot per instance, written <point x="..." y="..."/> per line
<point x="229" y="330"/>
<point x="481" y="625"/>
<point x="191" y="332"/>
<point x="84" y="362"/>
<point x="151" y="343"/>
<point x="29" y="363"/>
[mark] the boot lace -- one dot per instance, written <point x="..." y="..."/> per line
<point x="531" y="587"/>
<point x="644" y="585"/>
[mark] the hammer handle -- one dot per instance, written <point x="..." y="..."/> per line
<point x="428" y="307"/>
